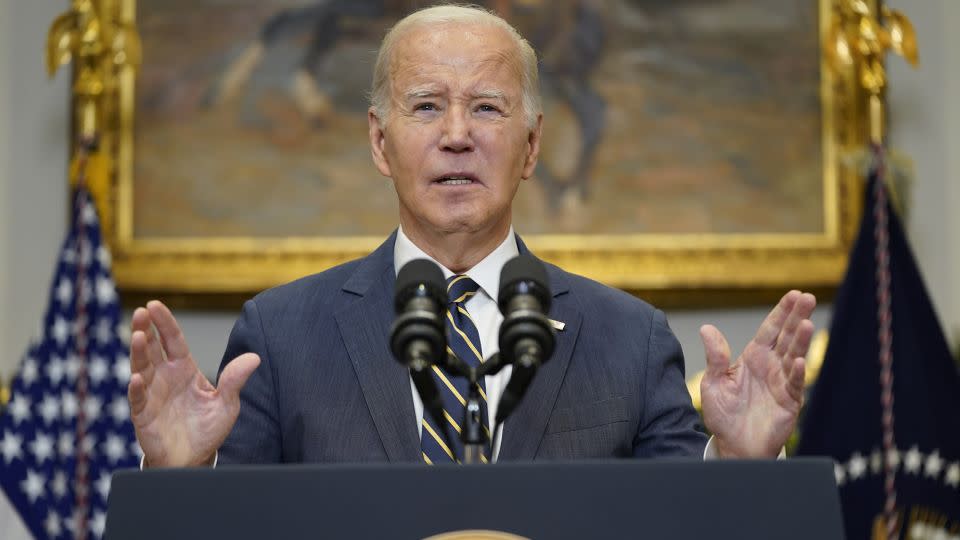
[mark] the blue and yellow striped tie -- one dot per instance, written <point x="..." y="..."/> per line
<point x="463" y="340"/>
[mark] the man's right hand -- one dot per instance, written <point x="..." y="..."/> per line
<point x="179" y="417"/>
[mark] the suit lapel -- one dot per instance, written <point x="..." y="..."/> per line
<point x="365" y="329"/>
<point x="524" y="430"/>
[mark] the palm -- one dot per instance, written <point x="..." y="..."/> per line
<point x="752" y="405"/>
<point x="180" y="418"/>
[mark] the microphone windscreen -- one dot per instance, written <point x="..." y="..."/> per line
<point x="420" y="277"/>
<point x="524" y="274"/>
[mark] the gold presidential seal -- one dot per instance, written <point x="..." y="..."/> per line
<point x="476" y="535"/>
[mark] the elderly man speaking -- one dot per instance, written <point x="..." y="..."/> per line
<point x="308" y="375"/>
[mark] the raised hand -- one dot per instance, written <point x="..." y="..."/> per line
<point x="751" y="406"/>
<point x="179" y="417"/>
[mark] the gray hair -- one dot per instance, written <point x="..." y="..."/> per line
<point x="457" y="14"/>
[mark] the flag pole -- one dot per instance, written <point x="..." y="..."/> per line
<point x="857" y="44"/>
<point x="99" y="48"/>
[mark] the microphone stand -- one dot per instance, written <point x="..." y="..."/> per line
<point x="471" y="430"/>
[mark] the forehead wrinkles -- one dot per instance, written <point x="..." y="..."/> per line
<point x="426" y="61"/>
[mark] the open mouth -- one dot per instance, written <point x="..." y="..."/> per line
<point x="455" y="180"/>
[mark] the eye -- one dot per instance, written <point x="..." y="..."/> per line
<point x="487" y="107"/>
<point x="425" y="106"/>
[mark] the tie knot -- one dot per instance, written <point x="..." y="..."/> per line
<point x="460" y="288"/>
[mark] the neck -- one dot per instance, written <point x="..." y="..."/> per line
<point x="457" y="251"/>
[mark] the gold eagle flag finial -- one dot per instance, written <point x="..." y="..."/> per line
<point x="102" y="44"/>
<point x="857" y="42"/>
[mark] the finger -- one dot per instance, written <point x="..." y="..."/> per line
<point x="806" y="304"/>
<point x="770" y="328"/>
<point x="235" y="375"/>
<point x="155" y="352"/>
<point x="140" y="361"/>
<point x="717" y="350"/>
<point x="140" y="320"/>
<point x="795" y="380"/>
<point x="143" y="323"/>
<point x="802" y="310"/>
<point x="137" y="394"/>
<point x="789" y="331"/>
<point x="170" y="334"/>
<point x="801" y="341"/>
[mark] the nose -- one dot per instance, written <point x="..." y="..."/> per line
<point x="457" y="136"/>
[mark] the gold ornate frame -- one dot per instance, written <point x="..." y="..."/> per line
<point x="670" y="269"/>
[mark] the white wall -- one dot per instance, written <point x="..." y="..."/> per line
<point x="33" y="164"/>
<point x="948" y="26"/>
<point x="33" y="150"/>
<point x="925" y="125"/>
<point x="5" y="99"/>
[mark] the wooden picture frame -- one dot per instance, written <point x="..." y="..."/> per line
<point x="671" y="269"/>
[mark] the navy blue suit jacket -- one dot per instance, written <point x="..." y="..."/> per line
<point x="329" y="390"/>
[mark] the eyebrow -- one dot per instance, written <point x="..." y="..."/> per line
<point x="490" y="94"/>
<point x="421" y="92"/>
<point x="427" y="92"/>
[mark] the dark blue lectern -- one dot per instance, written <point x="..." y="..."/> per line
<point x="792" y="499"/>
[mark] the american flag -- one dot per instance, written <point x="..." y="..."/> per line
<point x="67" y="427"/>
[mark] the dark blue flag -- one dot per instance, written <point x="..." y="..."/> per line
<point x="886" y="406"/>
<point x="67" y="426"/>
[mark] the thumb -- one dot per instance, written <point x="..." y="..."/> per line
<point x="235" y="375"/>
<point x="717" y="350"/>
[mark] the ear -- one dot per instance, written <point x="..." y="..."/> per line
<point x="533" y="148"/>
<point x="377" y="142"/>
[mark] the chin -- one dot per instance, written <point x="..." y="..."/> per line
<point x="458" y="219"/>
<point x="458" y="226"/>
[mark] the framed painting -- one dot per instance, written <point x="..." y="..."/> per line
<point x="689" y="145"/>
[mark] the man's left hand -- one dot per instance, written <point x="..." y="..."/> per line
<point x="751" y="406"/>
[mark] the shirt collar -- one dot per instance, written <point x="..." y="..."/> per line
<point x="486" y="272"/>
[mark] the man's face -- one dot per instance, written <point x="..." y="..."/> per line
<point x="456" y="141"/>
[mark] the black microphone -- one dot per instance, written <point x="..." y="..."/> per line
<point x="526" y="335"/>
<point x="417" y="338"/>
